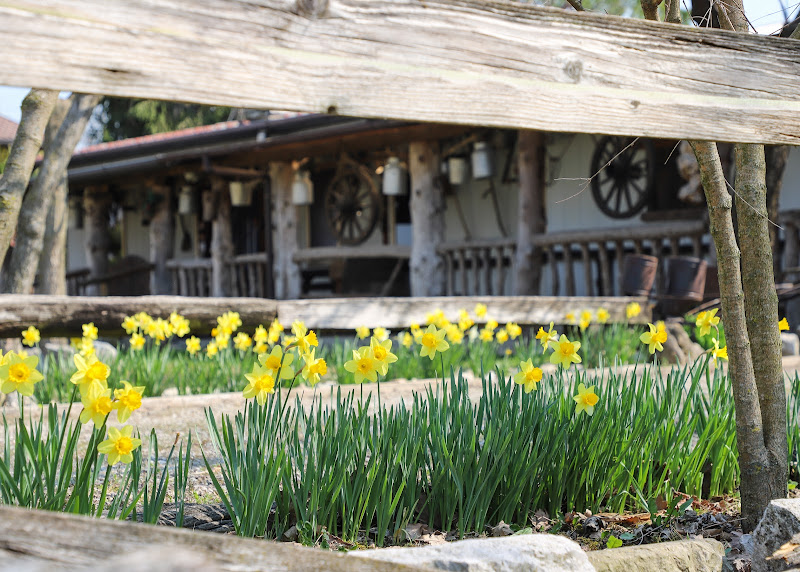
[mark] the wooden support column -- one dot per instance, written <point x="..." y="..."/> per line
<point x="222" y="251"/>
<point x="286" y="272"/>
<point x="428" y="276"/>
<point x="531" y="217"/>
<point x="162" y="240"/>
<point x="96" y="205"/>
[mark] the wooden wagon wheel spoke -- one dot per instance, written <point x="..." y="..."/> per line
<point x="352" y="204"/>
<point x="623" y="175"/>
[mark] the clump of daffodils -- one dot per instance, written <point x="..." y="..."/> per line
<point x="141" y="326"/>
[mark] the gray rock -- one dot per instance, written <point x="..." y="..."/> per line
<point x="791" y="344"/>
<point x="525" y="552"/>
<point x="105" y="352"/>
<point x="776" y="539"/>
<point x="685" y="556"/>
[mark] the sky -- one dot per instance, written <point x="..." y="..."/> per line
<point x="765" y="15"/>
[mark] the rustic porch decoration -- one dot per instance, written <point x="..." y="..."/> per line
<point x="622" y="175"/>
<point x="352" y="202"/>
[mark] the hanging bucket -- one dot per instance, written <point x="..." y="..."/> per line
<point x="638" y="274"/>
<point x="686" y="277"/>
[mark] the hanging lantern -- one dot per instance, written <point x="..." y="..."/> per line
<point x="394" y="181"/>
<point x="457" y="170"/>
<point x="302" y="188"/>
<point x="481" y="160"/>
<point x="185" y="201"/>
<point x="241" y="194"/>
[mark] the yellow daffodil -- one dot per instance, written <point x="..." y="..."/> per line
<point x="86" y="347"/>
<point x="130" y="324"/>
<point x="565" y="352"/>
<point x="380" y="333"/>
<point x="137" y="342"/>
<point x="212" y="349"/>
<point x="143" y="319"/>
<point x="707" y="320"/>
<point x="454" y="334"/>
<point x="508" y="351"/>
<point x="465" y="322"/>
<point x="783" y="325"/>
<point x="223" y="341"/>
<point x="180" y="326"/>
<point x="278" y="363"/>
<point x="274" y="336"/>
<point x="655" y="338"/>
<point x="120" y="445"/>
<point x="91" y="372"/>
<point x="501" y="336"/>
<point x="304" y="338"/>
<point x="632" y="310"/>
<point x="414" y="327"/>
<point x="528" y="376"/>
<point x="480" y="310"/>
<point x="408" y="340"/>
<point x="602" y="315"/>
<point x="432" y="341"/>
<point x="193" y="345"/>
<point x="363" y="365"/>
<point x="242" y="341"/>
<point x="583" y="324"/>
<point x="585" y="400"/>
<point x="486" y="335"/>
<point x="492" y="325"/>
<point x="89" y="331"/>
<point x="362" y="332"/>
<point x="128" y="400"/>
<point x="569" y="317"/>
<point x="314" y="368"/>
<point x="22" y="353"/>
<point x="514" y="331"/>
<point x="261" y="383"/>
<point x="260" y="348"/>
<point x="719" y="352"/>
<point x="30" y="337"/>
<point x="19" y="374"/>
<point x="382" y="354"/>
<point x="97" y="405"/>
<point x="260" y="336"/>
<point x="547" y="337"/>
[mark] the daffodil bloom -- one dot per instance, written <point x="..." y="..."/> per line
<point x="586" y="316"/>
<point x="783" y="325"/>
<point x="486" y="335"/>
<point x="432" y="341"/>
<point x="528" y="376"/>
<point x="547" y="337"/>
<point x="212" y="349"/>
<point x="454" y="334"/>
<point x="130" y="324"/>
<point x="97" y="405"/>
<point x="299" y="328"/>
<point x="719" y="352"/>
<point x="278" y="363"/>
<point x="19" y="374"/>
<point x="706" y="321"/>
<point x="661" y="326"/>
<point x="514" y="331"/>
<point x="632" y="310"/>
<point x="137" y="341"/>
<point x="585" y="400"/>
<point x="242" y="341"/>
<point x="180" y="326"/>
<point x="91" y="372"/>
<point x="492" y="325"/>
<point x="222" y="341"/>
<point x="602" y="315"/>
<point x="465" y="322"/>
<point x="502" y="336"/>
<point x="143" y="318"/>
<point x="260" y="348"/>
<point x="380" y="333"/>
<point x="436" y="318"/>
<point x="570" y="317"/>
<point x="31" y="336"/>
<point x="414" y="327"/>
<point x="655" y="338"/>
<point x="565" y="352"/>
<point x="86" y="347"/>
<point x="382" y="354"/>
<point x="193" y="345"/>
<point x="480" y="310"/>
<point x="89" y="331"/>
<point x="274" y="336"/>
<point x="261" y="383"/>
<point x="362" y="366"/>
<point x="314" y="368"/>
<point x="362" y="332"/>
<point x="120" y="445"/>
<point x="304" y="337"/>
<point x="583" y="324"/>
<point x="260" y="336"/>
<point x="128" y="400"/>
<point x="408" y="340"/>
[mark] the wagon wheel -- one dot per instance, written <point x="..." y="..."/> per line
<point x="352" y="204"/>
<point x="623" y="181"/>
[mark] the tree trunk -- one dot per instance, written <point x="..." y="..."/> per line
<point x="428" y="276"/>
<point x="222" y="251"/>
<point x="96" y="205"/>
<point x="285" y="243"/>
<point x="531" y="217"/>
<point x="776" y="157"/>
<point x="162" y="240"/>
<point x="36" y="204"/>
<point x="36" y="109"/>
<point x="753" y="455"/>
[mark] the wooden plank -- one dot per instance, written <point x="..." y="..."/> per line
<point x="605" y="270"/>
<point x="406" y="59"/>
<point x="587" y="269"/>
<point x="398" y="313"/>
<point x="63" y="315"/>
<point x="569" y="273"/>
<point x="41" y="540"/>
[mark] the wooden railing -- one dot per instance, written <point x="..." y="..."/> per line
<point x="248" y="276"/>
<point x="583" y="262"/>
<point x="191" y="277"/>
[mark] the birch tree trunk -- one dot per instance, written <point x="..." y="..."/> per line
<point x="36" y="204"/>
<point x="96" y="205"/>
<point x="531" y="220"/>
<point x="428" y="276"/>
<point x="36" y="109"/>
<point x="284" y="224"/>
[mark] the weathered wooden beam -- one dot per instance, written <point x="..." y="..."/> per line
<point x="36" y="540"/>
<point x="482" y="62"/>
<point x="63" y="315"/>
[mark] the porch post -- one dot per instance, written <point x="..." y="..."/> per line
<point x="531" y="220"/>
<point x="428" y="277"/>
<point x="286" y="272"/>
<point x="222" y="250"/>
<point x="96" y="204"/>
<point x="162" y="239"/>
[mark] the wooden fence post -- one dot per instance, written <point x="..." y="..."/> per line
<point x="222" y="250"/>
<point x="428" y="276"/>
<point x="284" y="224"/>
<point x="531" y="217"/>
<point x="96" y="204"/>
<point x="162" y="240"/>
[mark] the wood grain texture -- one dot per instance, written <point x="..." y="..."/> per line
<point x="479" y="62"/>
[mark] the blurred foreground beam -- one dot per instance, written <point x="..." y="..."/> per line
<point x="495" y="63"/>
